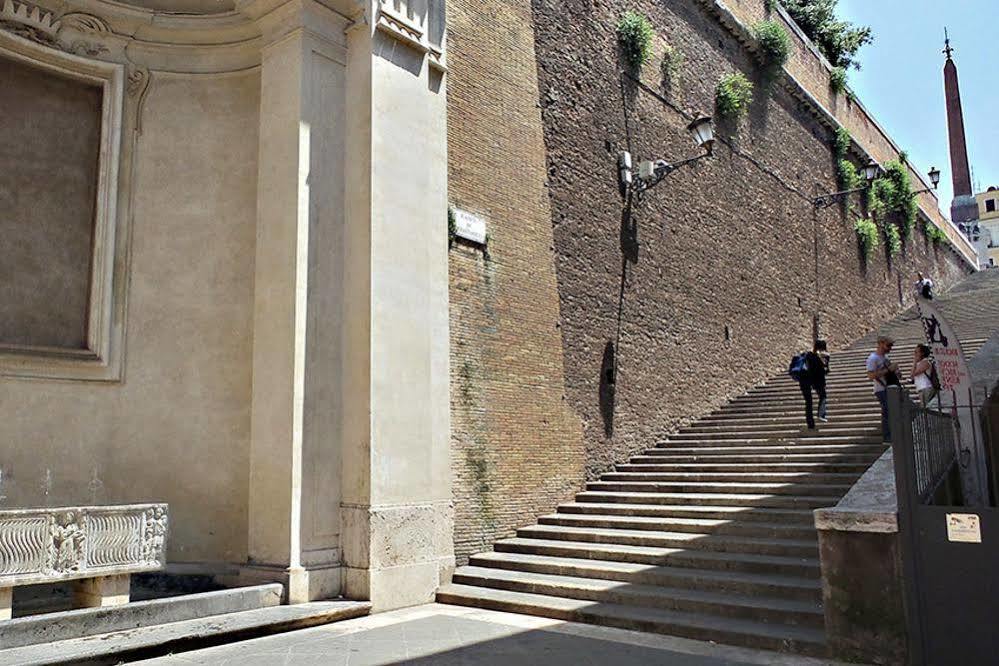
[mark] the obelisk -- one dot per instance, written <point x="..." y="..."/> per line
<point x="963" y="208"/>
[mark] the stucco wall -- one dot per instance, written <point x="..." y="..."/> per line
<point x="176" y="429"/>
<point x="49" y="146"/>
<point x="712" y="281"/>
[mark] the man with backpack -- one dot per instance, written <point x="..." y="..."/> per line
<point x="810" y="370"/>
<point x="883" y="373"/>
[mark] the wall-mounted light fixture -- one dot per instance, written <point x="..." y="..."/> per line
<point x="871" y="171"/>
<point x="934" y="178"/>
<point x="651" y="173"/>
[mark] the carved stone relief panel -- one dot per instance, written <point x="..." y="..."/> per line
<point x="39" y="545"/>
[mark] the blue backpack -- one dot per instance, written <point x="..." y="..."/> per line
<point x="799" y="367"/>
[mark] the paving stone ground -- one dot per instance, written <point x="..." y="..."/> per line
<point x="440" y="634"/>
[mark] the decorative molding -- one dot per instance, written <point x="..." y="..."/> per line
<point x="42" y="27"/>
<point x="102" y="359"/>
<point x="47" y="545"/>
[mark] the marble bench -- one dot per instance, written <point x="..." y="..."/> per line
<point x="97" y="548"/>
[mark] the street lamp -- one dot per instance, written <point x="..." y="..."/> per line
<point x="651" y="173"/>
<point x="871" y="171"/>
<point x="934" y="178"/>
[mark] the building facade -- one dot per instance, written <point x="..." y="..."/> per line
<point x="230" y="284"/>
<point x="988" y="221"/>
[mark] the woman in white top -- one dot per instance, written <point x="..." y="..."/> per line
<point x="922" y="368"/>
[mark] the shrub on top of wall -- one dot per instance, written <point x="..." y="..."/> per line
<point x="775" y="43"/>
<point x="635" y="33"/>
<point x="733" y="95"/>
<point x="867" y="234"/>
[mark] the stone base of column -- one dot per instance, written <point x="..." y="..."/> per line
<point x="6" y="602"/>
<point x="397" y="556"/>
<point x="102" y="591"/>
<point x="301" y="584"/>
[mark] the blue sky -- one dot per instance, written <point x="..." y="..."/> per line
<point x="901" y="82"/>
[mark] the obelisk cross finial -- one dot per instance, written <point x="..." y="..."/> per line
<point x="947" y="48"/>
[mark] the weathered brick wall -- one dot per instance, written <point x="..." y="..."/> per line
<point x="517" y="448"/>
<point x="713" y="283"/>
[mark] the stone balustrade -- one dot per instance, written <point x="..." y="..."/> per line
<point x="97" y="547"/>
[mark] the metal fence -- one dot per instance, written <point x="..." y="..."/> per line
<point x="934" y="449"/>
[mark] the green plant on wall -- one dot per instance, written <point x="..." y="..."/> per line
<point x="867" y="234"/>
<point x="936" y="234"/>
<point x="891" y="198"/>
<point x="774" y="42"/>
<point x="841" y="143"/>
<point x="635" y="34"/>
<point x="452" y="227"/>
<point x="847" y="176"/>
<point x="837" y="79"/>
<point x="733" y="96"/>
<point x="893" y="238"/>
<point x="673" y="62"/>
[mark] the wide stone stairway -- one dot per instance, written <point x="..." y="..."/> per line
<point x="709" y="534"/>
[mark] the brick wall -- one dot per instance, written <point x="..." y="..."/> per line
<point x="703" y="291"/>
<point x="517" y="448"/>
<point x="713" y="281"/>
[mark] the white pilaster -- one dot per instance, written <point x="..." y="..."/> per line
<point x="294" y="458"/>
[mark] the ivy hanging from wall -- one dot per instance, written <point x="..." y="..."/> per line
<point x="867" y="235"/>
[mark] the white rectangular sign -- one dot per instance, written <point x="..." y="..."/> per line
<point x="470" y="227"/>
<point x="964" y="528"/>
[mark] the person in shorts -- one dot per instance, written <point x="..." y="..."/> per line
<point x="883" y="373"/>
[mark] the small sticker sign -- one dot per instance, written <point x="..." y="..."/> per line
<point x="964" y="528"/>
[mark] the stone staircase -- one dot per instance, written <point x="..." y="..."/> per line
<point x="709" y="534"/>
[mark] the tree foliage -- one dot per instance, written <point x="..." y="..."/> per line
<point x="838" y="40"/>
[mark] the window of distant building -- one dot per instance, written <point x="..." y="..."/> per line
<point x="990" y="205"/>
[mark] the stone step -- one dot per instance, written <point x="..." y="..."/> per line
<point x="775" y="447"/>
<point x="83" y="622"/>
<point x="767" y="585"/>
<point x="748" y="467"/>
<point x="763" y="422"/>
<point x="758" y="476"/>
<point x="687" y="540"/>
<point x="799" y="517"/>
<point x="722" y="604"/>
<point x="660" y="456"/>
<point x="785" y="413"/>
<point x="806" y="439"/>
<point x="806" y="567"/>
<point x="824" y="432"/>
<point x="791" y="424"/>
<point x="123" y="646"/>
<point x="731" y="526"/>
<point x="803" y="640"/>
<point x="709" y="499"/>
<point x="816" y="489"/>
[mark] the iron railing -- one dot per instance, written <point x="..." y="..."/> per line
<point x="934" y="445"/>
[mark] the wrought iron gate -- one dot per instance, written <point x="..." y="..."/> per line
<point x="950" y="552"/>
